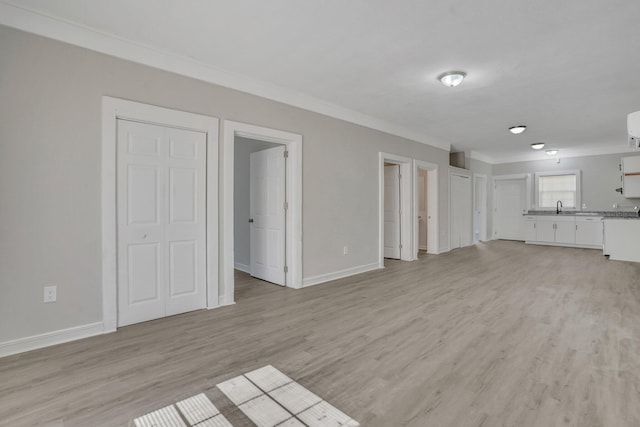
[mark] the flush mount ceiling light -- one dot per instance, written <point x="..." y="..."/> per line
<point x="537" y="145"/>
<point x="551" y="152"/>
<point x="452" y="78"/>
<point x="516" y="130"/>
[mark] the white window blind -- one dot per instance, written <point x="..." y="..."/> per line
<point x="552" y="188"/>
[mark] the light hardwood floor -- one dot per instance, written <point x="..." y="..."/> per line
<point x="501" y="334"/>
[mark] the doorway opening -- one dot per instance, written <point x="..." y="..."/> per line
<point x="395" y="195"/>
<point x="259" y="225"/>
<point x="479" y="208"/>
<point x="426" y="207"/>
<point x="290" y="201"/>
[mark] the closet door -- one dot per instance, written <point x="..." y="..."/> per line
<point x="461" y="211"/>
<point x="161" y="221"/>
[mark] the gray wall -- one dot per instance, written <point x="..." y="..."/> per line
<point x="50" y="174"/>
<point x="243" y="147"/>
<point x="600" y="178"/>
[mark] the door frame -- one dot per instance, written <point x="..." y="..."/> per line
<point x="528" y="195"/>
<point x="483" y="215"/>
<point x="406" y="206"/>
<point x="293" y="144"/>
<point x="112" y="110"/>
<point x="432" y="206"/>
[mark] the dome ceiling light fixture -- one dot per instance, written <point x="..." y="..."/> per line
<point x="537" y="145"/>
<point x="518" y="129"/>
<point x="452" y="78"/>
<point x="552" y="152"/>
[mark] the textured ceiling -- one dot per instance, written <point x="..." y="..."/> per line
<point x="570" y="70"/>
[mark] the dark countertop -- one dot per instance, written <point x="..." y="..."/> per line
<point x="605" y="214"/>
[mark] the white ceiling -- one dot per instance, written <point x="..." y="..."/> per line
<point x="570" y="70"/>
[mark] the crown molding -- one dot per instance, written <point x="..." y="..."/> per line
<point x="566" y="153"/>
<point x="73" y="33"/>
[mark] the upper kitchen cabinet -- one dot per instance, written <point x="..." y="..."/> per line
<point x="631" y="177"/>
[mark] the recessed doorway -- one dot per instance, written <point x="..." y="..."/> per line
<point x="426" y="207"/>
<point x="259" y="209"/>
<point x="292" y="240"/>
<point x="395" y="195"/>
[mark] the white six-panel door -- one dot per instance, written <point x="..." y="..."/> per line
<point x="392" y="211"/>
<point x="267" y="211"/>
<point x="161" y="192"/>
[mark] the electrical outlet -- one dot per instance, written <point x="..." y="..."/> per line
<point x="50" y="293"/>
<point x="345" y="250"/>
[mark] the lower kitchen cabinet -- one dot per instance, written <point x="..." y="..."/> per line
<point x="573" y="231"/>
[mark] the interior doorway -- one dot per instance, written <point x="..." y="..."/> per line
<point x="422" y="209"/>
<point x="259" y="209"/>
<point x="392" y="200"/>
<point x="395" y="195"/>
<point x="291" y="252"/>
<point x="479" y="208"/>
<point x="426" y="207"/>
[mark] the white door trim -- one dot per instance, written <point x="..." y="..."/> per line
<point x="406" y="205"/>
<point x="113" y="109"/>
<point x="293" y="142"/>
<point x="432" y="206"/>
<point x="528" y="195"/>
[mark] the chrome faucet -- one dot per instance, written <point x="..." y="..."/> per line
<point x="558" y="207"/>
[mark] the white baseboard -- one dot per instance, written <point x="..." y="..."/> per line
<point x="242" y="267"/>
<point x="321" y="278"/>
<point x="21" y="345"/>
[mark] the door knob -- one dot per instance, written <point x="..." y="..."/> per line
<point x="144" y="236"/>
<point x="250" y="219"/>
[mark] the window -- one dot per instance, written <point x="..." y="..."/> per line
<point x="559" y="185"/>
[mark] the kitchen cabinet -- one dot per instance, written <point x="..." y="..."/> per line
<point x="557" y="229"/>
<point x="530" y="228"/>
<point x="631" y="177"/>
<point x="589" y="231"/>
<point x="564" y="230"/>
<point x="546" y="230"/>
